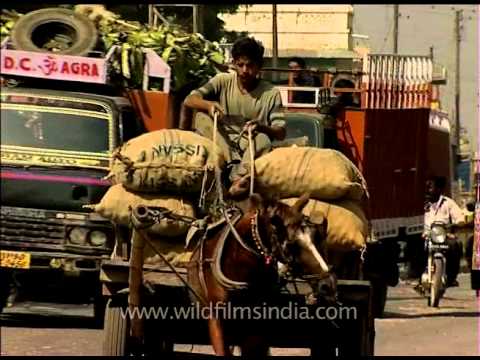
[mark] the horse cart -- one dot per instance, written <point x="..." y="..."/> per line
<point x="171" y="318"/>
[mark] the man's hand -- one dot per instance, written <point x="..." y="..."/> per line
<point x="273" y="132"/>
<point x="196" y="102"/>
<point x="215" y="107"/>
<point x="253" y="125"/>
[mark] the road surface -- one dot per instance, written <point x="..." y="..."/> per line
<point x="410" y="327"/>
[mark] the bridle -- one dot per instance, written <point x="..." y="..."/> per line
<point x="276" y="253"/>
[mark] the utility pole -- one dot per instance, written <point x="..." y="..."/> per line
<point x="274" y="40"/>
<point x="458" y="38"/>
<point x="395" y="28"/>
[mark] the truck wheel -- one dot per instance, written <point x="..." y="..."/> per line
<point x="380" y="290"/>
<point x="99" y="305"/>
<point x="115" y="331"/>
<point x="5" y="278"/>
<point x="54" y="30"/>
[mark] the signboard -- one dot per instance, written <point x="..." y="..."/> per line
<point x="52" y="66"/>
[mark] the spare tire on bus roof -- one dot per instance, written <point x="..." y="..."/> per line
<point x="40" y="30"/>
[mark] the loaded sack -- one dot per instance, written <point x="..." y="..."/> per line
<point x="347" y="226"/>
<point x="117" y="203"/>
<point x="167" y="161"/>
<point x="324" y="173"/>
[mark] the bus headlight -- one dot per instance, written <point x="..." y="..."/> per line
<point x="78" y="235"/>
<point x="98" y="238"/>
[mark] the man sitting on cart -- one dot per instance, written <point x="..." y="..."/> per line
<point x="242" y="100"/>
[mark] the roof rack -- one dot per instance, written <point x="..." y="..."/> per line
<point x="92" y="69"/>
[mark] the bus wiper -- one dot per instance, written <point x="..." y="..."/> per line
<point x="46" y="167"/>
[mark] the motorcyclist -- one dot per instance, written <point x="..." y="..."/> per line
<point x="242" y="99"/>
<point x="441" y="208"/>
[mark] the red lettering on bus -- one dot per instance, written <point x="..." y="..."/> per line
<point x="75" y="67"/>
<point x="65" y="69"/>
<point x="94" y="70"/>
<point x="8" y="63"/>
<point x="25" y="64"/>
<point x="85" y="69"/>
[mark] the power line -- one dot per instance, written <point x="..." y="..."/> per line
<point x="446" y="13"/>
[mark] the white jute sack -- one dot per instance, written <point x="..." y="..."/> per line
<point x="324" y="173"/>
<point x="167" y="161"/>
<point x="117" y="201"/>
<point x="347" y="226"/>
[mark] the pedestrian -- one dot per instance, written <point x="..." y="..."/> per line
<point x="243" y="100"/>
<point x="301" y="77"/>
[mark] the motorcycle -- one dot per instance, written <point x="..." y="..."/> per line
<point x="434" y="279"/>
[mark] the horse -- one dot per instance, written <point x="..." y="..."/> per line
<point x="239" y="256"/>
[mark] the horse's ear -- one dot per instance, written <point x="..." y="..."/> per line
<point x="301" y="202"/>
<point x="239" y="188"/>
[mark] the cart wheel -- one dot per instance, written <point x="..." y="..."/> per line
<point x="155" y="341"/>
<point x="160" y="347"/>
<point x="115" y="330"/>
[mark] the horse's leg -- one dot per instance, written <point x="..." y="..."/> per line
<point x="216" y="329"/>
<point x="217" y="338"/>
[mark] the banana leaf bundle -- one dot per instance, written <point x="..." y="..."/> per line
<point x="192" y="58"/>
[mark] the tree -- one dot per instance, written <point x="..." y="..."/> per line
<point x="213" y="26"/>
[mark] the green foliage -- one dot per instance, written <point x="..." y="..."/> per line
<point x="192" y="58"/>
<point x="7" y="21"/>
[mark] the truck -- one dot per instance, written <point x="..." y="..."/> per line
<point x="380" y="119"/>
<point x="58" y="134"/>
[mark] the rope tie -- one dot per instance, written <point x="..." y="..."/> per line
<point x="218" y="179"/>
<point x="252" y="159"/>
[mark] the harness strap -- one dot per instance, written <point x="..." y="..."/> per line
<point x="216" y="265"/>
<point x="201" y="274"/>
<point x="149" y="242"/>
<point x="237" y="235"/>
